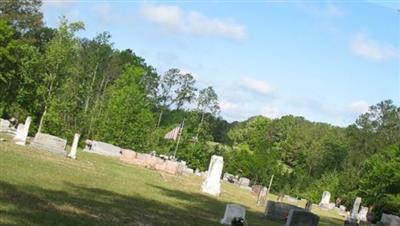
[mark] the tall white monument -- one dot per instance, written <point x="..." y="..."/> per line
<point x="74" y="147"/>
<point x="22" y="132"/>
<point x="212" y="184"/>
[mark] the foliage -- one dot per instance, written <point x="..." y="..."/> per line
<point x="73" y="85"/>
<point x="380" y="182"/>
<point x="127" y="120"/>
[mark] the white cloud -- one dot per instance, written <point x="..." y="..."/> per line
<point x="57" y="3"/>
<point x="333" y="11"/>
<point x="168" y="17"/>
<point x="271" y="112"/>
<point x="229" y="106"/>
<point x="359" y="107"/>
<point x="325" y="10"/>
<point x="257" y="86"/>
<point x="361" y="45"/>
<point x="174" y="19"/>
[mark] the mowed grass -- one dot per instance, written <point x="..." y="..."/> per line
<point x="41" y="188"/>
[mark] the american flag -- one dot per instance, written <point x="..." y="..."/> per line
<point x="174" y="134"/>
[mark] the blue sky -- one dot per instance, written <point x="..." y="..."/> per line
<point x="324" y="60"/>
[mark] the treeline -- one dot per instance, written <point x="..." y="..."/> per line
<point x="69" y="84"/>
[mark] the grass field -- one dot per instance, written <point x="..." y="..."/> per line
<point x="40" y="188"/>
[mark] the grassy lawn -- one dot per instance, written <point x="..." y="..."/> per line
<point x="40" y="188"/>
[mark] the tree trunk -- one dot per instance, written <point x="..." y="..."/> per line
<point x="159" y="118"/>
<point x="42" y="119"/>
<point x="201" y="123"/>
<point x="91" y="89"/>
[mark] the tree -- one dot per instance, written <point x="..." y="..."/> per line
<point x="175" y="88"/>
<point x="380" y="181"/>
<point x="126" y="120"/>
<point x="60" y="61"/>
<point x="23" y="15"/>
<point x="185" y="92"/>
<point x="207" y="101"/>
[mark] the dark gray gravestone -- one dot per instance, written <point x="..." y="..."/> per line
<point x="301" y="218"/>
<point x="278" y="210"/>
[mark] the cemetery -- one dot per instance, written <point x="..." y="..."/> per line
<point x="212" y="194"/>
<point x="199" y="113"/>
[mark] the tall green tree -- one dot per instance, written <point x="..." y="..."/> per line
<point x="60" y="63"/>
<point x="207" y="101"/>
<point x="126" y="120"/>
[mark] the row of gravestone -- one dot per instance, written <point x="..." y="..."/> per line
<point x="52" y="143"/>
<point x="357" y="214"/>
<point x="58" y="145"/>
<point x="291" y="215"/>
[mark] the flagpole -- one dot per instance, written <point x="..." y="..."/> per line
<point x="179" y="139"/>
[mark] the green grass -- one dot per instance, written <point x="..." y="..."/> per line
<point x="41" y="188"/>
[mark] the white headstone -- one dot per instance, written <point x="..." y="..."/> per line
<point x="232" y="211"/>
<point x="244" y="182"/>
<point x="212" y="184"/>
<point x="102" y="148"/>
<point x="353" y="217"/>
<point x="50" y="143"/>
<point x="22" y="132"/>
<point x="326" y="196"/>
<point x="4" y="125"/>
<point x="362" y="215"/>
<point x="74" y="147"/>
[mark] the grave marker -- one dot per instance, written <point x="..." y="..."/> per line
<point x="301" y="217"/>
<point x="232" y="211"/>
<point x="212" y="184"/>
<point x="74" y="147"/>
<point x="22" y="132"/>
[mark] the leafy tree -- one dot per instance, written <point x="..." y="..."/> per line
<point x="207" y="101"/>
<point x="380" y="181"/>
<point x="23" y="15"/>
<point x="60" y="62"/>
<point x="185" y="92"/>
<point x="126" y="120"/>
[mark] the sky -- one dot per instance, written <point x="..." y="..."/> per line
<point x="324" y="60"/>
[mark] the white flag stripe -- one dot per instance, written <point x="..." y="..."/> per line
<point x="173" y="134"/>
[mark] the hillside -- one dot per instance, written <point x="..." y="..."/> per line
<point x="40" y="188"/>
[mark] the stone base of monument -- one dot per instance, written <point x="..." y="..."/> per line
<point x="151" y="162"/>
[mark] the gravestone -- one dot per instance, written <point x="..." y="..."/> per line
<point x="244" y="182"/>
<point x="352" y="219"/>
<point x="4" y="125"/>
<point x="50" y="143"/>
<point x="22" y="132"/>
<point x="212" y="184"/>
<point x="278" y="210"/>
<point x="102" y="148"/>
<point x="301" y="217"/>
<point x="356" y="208"/>
<point x="362" y="215"/>
<point x="326" y="196"/>
<point x="390" y="220"/>
<point x="227" y="177"/>
<point x="74" y="147"/>
<point x="188" y="170"/>
<point x="232" y="211"/>
<point x="262" y="195"/>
